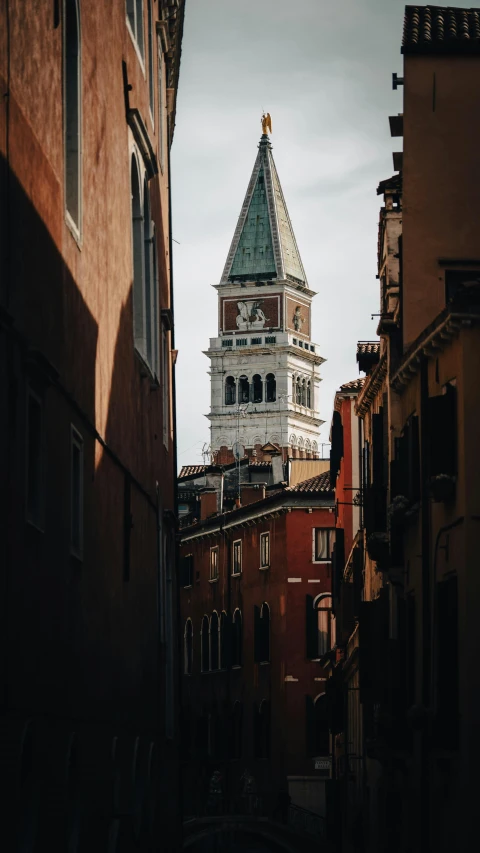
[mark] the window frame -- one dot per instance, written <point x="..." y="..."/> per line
<point x="236" y="542"/>
<point x="162" y="106"/>
<point x="213" y="550"/>
<point x="76" y="441"/>
<point x="150" y="62"/>
<point x="188" y="659"/>
<point x="165" y="369"/>
<point x="264" y="537"/>
<point x="139" y="47"/>
<point x="330" y="544"/>
<point x="74" y="227"/>
<point x="39" y="521"/>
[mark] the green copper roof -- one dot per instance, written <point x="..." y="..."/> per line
<point x="264" y="245"/>
<point x="254" y="255"/>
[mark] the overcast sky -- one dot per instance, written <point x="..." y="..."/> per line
<point x="323" y="69"/>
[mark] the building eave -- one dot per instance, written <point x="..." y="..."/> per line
<point x="373" y="383"/>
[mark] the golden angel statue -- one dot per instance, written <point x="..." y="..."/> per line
<point x="266" y="123"/>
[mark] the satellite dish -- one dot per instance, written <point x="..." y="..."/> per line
<point x="238" y="450"/>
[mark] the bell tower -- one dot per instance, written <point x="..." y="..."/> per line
<point x="264" y="365"/>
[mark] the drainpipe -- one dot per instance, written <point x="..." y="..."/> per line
<point x="426" y="609"/>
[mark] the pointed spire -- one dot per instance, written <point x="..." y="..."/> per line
<point x="264" y="245"/>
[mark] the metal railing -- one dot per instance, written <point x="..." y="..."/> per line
<point x="307" y="822"/>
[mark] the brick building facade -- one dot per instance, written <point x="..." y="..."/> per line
<point x="88" y="690"/>
<point x="256" y="611"/>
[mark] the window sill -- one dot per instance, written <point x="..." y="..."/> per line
<point x="187" y="586"/>
<point x="36" y="525"/>
<point x="263" y="568"/>
<point x="213" y="580"/>
<point x="237" y="666"/>
<point x="146" y="371"/>
<point x="236" y="574"/>
<point x="74" y="230"/>
<point x="321" y="562"/>
<point x="264" y="663"/>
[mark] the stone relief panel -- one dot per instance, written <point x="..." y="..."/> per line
<point x="245" y="315"/>
<point x="298" y="317"/>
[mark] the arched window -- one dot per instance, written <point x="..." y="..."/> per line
<point x="317" y="734"/>
<point x="298" y="391"/>
<point x="188" y="647"/>
<point x="293" y="440"/>
<point x="325" y="623"/>
<point x="307" y="446"/>
<point x="161" y="104"/>
<point x="155" y="319"/>
<point x="72" y="111"/>
<point x="257" y="388"/>
<point x="309" y="395"/>
<point x="270" y="388"/>
<point x="135" y="19"/>
<point x="264" y="714"/>
<point x="304" y="392"/>
<point x="243" y="390"/>
<point x="262" y="633"/>
<point x="225" y="641"/>
<point x="214" y="641"/>
<point x="237" y="639"/>
<point x="148" y="268"/>
<point x="205" y="663"/>
<point x="230" y="391"/>
<point x="236" y="744"/>
<point x="314" y="447"/>
<point x="138" y="261"/>
<point x="300" y="443"/>
<point x="151" y="87"/>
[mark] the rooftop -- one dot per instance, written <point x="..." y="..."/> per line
<point x="393" y="183"/>
<point x="441" y="29"/>
<point x="320" y="483"/>
<point x="353" y="385"/>
<point x="191" y="471"/>
<point x="368" y="348"/>
<point x="264" y="245"/>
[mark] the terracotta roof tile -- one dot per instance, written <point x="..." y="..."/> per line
<point x="368" y="348"/>
<point x="320" y="483"/>
<point x="189" y="470"/>
<point x="393" y="183"/>
<point x="441" y="29"/>
<point x="354" y="385"/>
<point x="257" y="463"/>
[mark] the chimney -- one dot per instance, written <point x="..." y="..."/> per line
<point x="277" y="469"/>
<point x="208" y="503"/>
<point x="252" y="492"/>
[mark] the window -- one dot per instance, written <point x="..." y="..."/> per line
<point x="227" y="343"/>
<point x="323" y="540"/>
<point x="257" y="388"/>
<point x="214" y="641"/>
<point x="161" y="106"/>
<point x="76" y="494"/>
<point x="236" y="746"/>
<point x="135" y="19"/>
<point x="148" y="271"/>
<point x="138" y="261"/>
<point x="460" y="284"/>
<point x="304" y="392"/>
<point x="241" y="342"/>
<point x="255" y="341"/>
<point x="72" y="111"/>
<point x="261" y="730"/>
<point x="151" y="87"/>
<point x="262" y="633"/>
<point x="264" y="550"/>
<point x="188" y="647"/>
<point x="237" y="639"/>
<point x="271" y="388"/>
<point x="214" y="563"/>
<point x="186" y="570"/>
<point x="270" y="339"/>
<point x="205" y="663"/>
<point x="165" y="385"/>
<point x="317" y="734"/>
<point x="230" y="391"/>
<point x="320" y="626"/>
<point x="243" y="390"/>
<point x="225" y="639"/>
<point x="35" y="460"/>
<point x="237" y="557"/>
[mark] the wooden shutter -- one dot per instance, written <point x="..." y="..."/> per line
<point x="377" y="448"/>
<point x="442" y="424"/>
<point x="447" y="663"/>
<point x="311" y="627"/>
